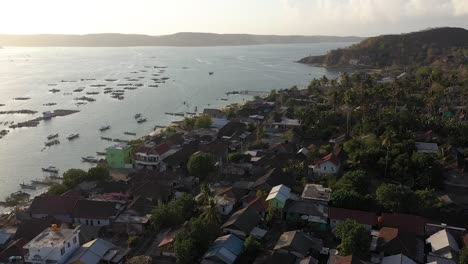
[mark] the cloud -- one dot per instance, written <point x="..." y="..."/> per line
<point x="380" y="15"/>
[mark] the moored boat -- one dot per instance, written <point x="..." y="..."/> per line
<point x="51" y="143"/>
<point x="52" y="136"/>
<point x="101" y="153"/>
<point x="104" y="128"/>
<point x="27" y="186"/>
<point x="90" y="159"/>
<point x="141" y="120"/>
<point x="137" y="116"/>
<point x="106" y="138"/>
<point x="50" y="169"/>
<point x="73" y="136"/>
<point x="130" y="133"/>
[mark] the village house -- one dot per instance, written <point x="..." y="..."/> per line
<point x="316" y="193"/>
<point x="98" y="251"/>
<point x="224" y="250"/>
<point x="278" y="196"/>
<point x="166" y="246"/>
<point x="95" y="213"/>
<point x="397" y="259"/>
<point x="340" y="215"/>
<point x="350" y="259"/>
<point x="227" y="198"/>
<point x="329" y="164"/>
<point x="119" y="156"/>
<point x="272" y="178"/>
<point x="390" y="241"/>
<point x="306" y="211"/>
<point x="298" y="243"/>
<point x="149" y="156"/>
<point x="443" y="246"/>
<point x="427" y="147"/>
<point x="53" y="245"/>
<point x="242" y="222"/>
<point x="57" y="206"/>
<point x="412" y="224"/>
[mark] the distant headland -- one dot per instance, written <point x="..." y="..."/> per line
<point x="184" y="39"/>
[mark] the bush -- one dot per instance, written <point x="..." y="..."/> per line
<point x="200" y="164"/>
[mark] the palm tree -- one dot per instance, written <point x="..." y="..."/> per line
<point x="387" y="143"/>
<point x="210" y="213"/>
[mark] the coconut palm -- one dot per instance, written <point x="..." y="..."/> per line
<point x="210" y="213"/>
<point x="387" y="143"/>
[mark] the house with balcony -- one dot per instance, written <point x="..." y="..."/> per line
<point x="53" y="245"/>
<point x="149" y="156"/>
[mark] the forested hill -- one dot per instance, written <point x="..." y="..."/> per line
<point x="178" y="39"/>
<point x="417" y="48"/>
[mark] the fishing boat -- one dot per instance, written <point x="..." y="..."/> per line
<point x="106" y="138"/>
<point x="104" y="128"/>
<point x="137" y="116"/>
<point x="130" y="133"/>
<point x="51" y="143"/>
<point x="142" y="120"/>
<point x="52" y="136"/>
<point x="101" y="153"/>
<point x="90" y="159"/>
<point x="39" y="182"/>
<point x="50" y="169"/>
<point x="56" y="177"/>
<point x="211" y="73"/>
<point x="179" y="114"/>
<point x="73" y="136"/>
<point x="120" y="140"/>
<point x="27" y="186"/>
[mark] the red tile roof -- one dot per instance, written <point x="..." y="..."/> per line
<point x="361" y="217"/>
<point x="160" y="149"/>
<point x="330" y="157"/>
<point x="406" y="223"/>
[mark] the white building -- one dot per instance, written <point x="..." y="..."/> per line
<point x="443" y="244"/>
<point x="330" y="164"/>
<point x="53" y="245"/>
<point x="150" y="157"/>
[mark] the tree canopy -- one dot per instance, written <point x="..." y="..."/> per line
<point x="200" y="164"/>
<point x="354" y="239"/>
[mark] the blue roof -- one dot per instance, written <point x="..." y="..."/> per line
<point x="226" y="244"/>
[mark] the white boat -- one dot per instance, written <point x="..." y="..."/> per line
<point x="27" y="186"/>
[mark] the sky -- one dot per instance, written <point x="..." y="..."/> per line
<point x="279" y="17"/>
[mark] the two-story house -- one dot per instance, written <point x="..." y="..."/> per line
<point x="149" y="156"/>
<point x="53" y="245"/>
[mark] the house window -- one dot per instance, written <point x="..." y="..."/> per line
<point x="74" y="240"/>
<point x="98" y="222"/>
<point x="87" y="222"/>
<point x="68" y="244"/>
<point x="324" y="168"/>
<point x="62" y="251"/>
<point x="333" y="169"/>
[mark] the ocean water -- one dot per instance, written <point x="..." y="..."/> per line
<point x="27" y="72"/>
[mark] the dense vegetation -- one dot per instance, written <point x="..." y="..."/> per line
<point x="424" y="47"/>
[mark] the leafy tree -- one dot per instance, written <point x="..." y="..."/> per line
<point x="203" y="121"/>
<point x="236" y="157"/>
<point x="350" y="199"/>
<point x="194" y="241"/>
<point x="200" y="164"/>
<point x="73" y="177"/>
<point x="99" y="174"/>
<point x="355" y="239"/>
<point x="427" y="171"/>
<point x="463" y="259"/>
<point x="427" y="201"/>
<point x="188" y="123"/>
<point x="354" y="180"/>
<point x="251" y="247"/>
<point x="174" y="213"/>
<point x="395" y="198"/>
<point x="57" y="189"/>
